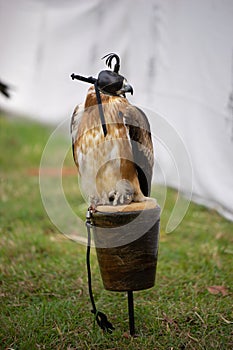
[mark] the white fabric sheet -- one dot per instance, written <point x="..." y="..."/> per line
<point x="178" y="55"/>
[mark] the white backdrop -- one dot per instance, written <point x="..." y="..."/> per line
<point x="178" y="55"/>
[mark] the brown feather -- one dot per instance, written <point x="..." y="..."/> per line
<point x="106" y="164"/>
<point x="140" y="135"/>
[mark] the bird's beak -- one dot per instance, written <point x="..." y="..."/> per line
<point x="127" y="88"/>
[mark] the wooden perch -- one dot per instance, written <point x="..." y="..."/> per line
<point x="126" y="239"/>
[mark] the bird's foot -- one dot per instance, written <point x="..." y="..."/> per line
<point x="97" y="200"/>
<point x="123" y="194"/>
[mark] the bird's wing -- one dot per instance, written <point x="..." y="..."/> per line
<point x="74" y="127"/>
<point x="142" y="146"/>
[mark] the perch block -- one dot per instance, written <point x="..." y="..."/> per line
<point x="126" y="239"/>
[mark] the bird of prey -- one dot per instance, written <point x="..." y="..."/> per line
<point x="115" y="166"/>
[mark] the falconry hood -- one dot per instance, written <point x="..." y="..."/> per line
<point x="108" y="82"/>
<point x="111" y="82"/>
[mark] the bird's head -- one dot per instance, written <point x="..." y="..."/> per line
<point x="111" y="82"/>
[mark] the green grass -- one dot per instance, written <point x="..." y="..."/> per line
<point x="43" y="283"/>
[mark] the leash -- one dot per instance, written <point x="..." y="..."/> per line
<point x="94" y="81"/>
<point x="101" y="112"/>
<point x="100" y="317"/>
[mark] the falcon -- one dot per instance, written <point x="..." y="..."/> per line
<point x="111" y="139"/>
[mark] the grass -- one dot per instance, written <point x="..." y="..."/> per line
<point x="43" y="282"/>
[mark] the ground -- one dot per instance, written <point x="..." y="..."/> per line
<point x="43" y="281"/>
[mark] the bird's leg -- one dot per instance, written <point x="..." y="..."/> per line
<point x="123" y="194"/>
<point x="93" y="200"/>
<point x="97" y="200"/>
